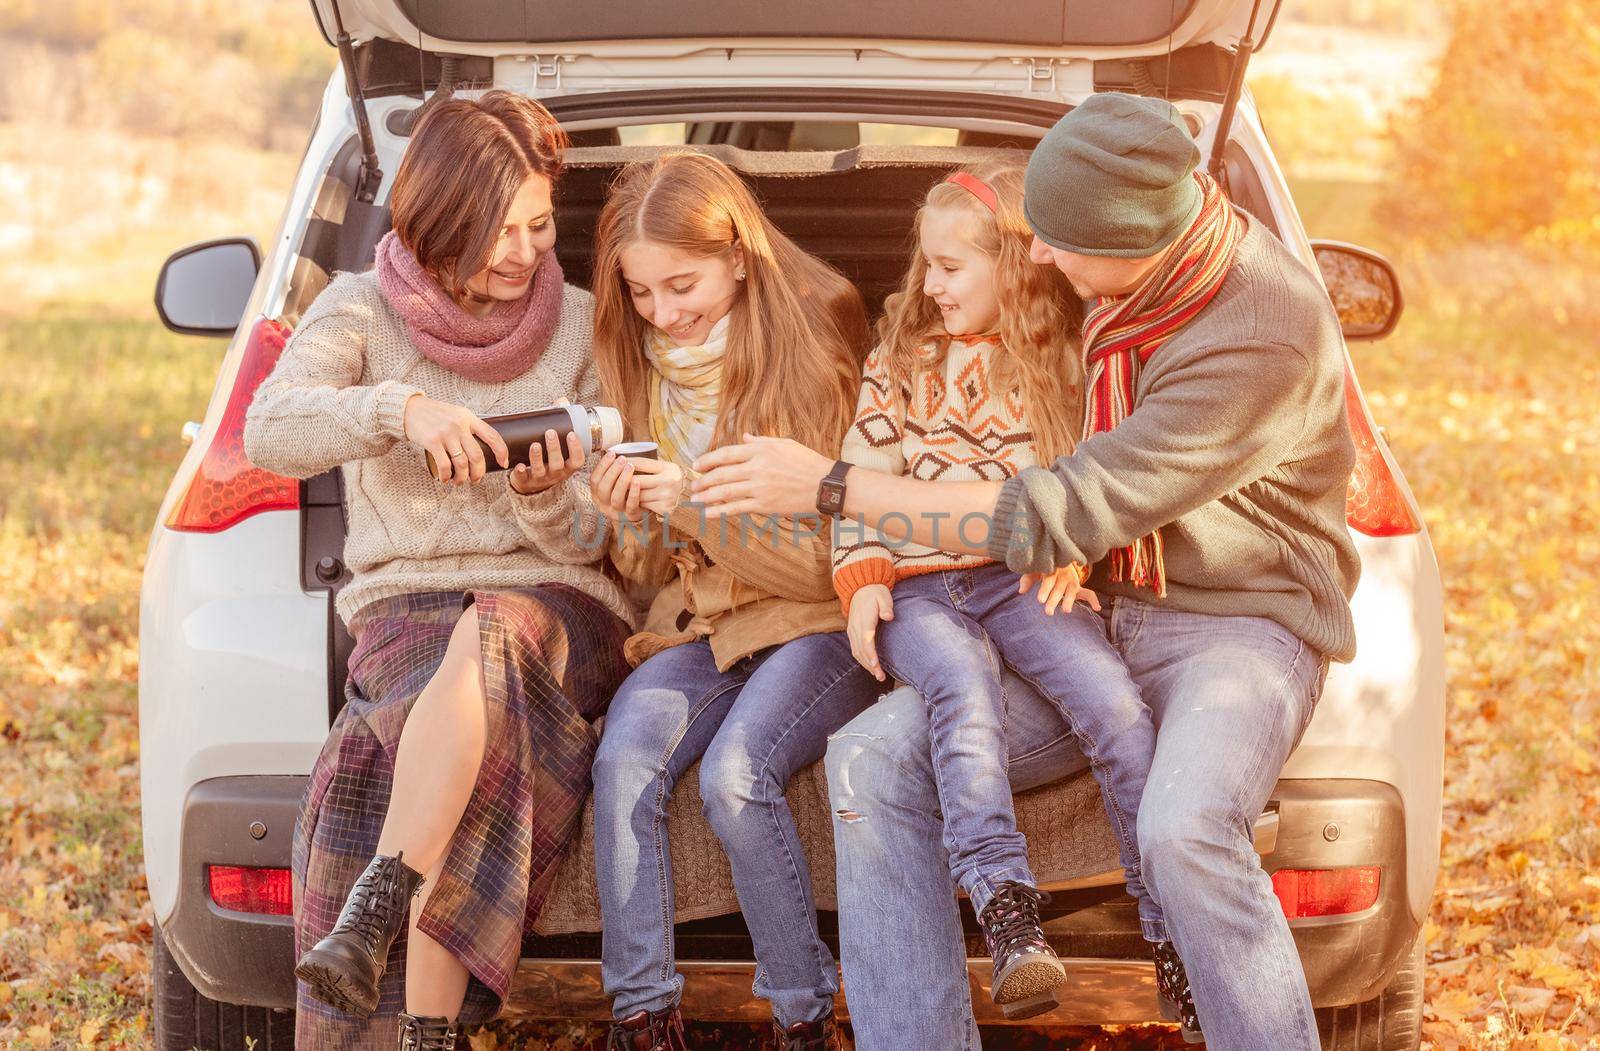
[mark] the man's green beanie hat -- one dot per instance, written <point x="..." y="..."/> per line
<point x="1114" y="177"/>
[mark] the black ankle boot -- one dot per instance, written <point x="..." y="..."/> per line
<point x="1026" y="970"/>
<point x="427" y="1033"/>
<point x="821" y="1035"/>
<point x="1172" y="984"/>
<point x="648" y="1031"/>
<point x="343" y="969"/>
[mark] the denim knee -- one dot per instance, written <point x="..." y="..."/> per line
<point x="730" y="783"/>
<point x="1185" y="844"/>
<point x="623" y="770"/>
<point x="866" y="759"/>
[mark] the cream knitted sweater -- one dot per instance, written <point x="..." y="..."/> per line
<point x="337" y="398"/>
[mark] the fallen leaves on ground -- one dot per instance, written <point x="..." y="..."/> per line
<point x="1489" y="403"/>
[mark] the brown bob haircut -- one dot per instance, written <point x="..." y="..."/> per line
<point x="467" y="160"/>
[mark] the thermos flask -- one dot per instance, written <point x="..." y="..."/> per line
<point x="598" y="428"/>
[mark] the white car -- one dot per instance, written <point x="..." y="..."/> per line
<point x="840" y="113"/>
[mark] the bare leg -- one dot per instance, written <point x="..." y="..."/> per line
<point x="441" y="749"/>
<point x="436" y="768"/>
<point x="436" y="982"/>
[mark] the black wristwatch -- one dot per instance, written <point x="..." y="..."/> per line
<point x="830" y="493"/>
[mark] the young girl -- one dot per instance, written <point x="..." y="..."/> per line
<point x="709" y="322"/>
<point x="974" y="379"/>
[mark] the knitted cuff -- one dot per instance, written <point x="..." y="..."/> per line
<point x="548" y="506"/>
<point x="853" y="576"/>
<point x="392" y="398"/>
<point x="1004" y="520"/>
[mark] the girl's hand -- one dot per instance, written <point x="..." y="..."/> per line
<point x="660" y="485"/>
<point x="449" y="432"/>
<point x="555" y="467"/>
<point x="616" y="491"/>
<point x="1065" y="585"/>
<point x="868" y="606"/>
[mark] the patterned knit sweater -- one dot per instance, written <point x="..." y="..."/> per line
<point x="337" y="398"/>
<point x="953" y="427"/>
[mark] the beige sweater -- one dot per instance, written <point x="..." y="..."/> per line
<point x="337" y="398"/>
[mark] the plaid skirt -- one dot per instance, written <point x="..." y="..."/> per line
<point x="552" y="658"/>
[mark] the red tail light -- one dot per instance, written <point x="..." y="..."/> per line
<point x="1375" y="504"/>
<point x="1305" y="893"/>
<point x="227" y="488"/>
<point x="262" y="891"/>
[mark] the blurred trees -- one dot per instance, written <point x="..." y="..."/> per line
<point x="248" y="73"/>
<point x="1504" y="146"/>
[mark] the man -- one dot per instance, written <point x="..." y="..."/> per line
<point x="1208" y="491"/>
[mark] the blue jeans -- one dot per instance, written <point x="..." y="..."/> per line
<point x="1230" y="697"/>
<point x="755" y="724"/>
<point x="950" y="633"/>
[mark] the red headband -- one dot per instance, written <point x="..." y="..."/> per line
<point x="978" y="188"/>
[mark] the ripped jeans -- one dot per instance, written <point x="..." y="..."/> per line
<point x="1230" y="697"/>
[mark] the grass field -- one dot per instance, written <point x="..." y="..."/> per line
<point x="1489" y="410"/>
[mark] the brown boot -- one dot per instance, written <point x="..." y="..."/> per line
<point x="648" y="1031"/>
<point x="427" y="1033"/>
<point x="343" y="969"/>
<point x="822" y="1035"/>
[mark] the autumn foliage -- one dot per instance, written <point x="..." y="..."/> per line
<point x="1505" y="146"/>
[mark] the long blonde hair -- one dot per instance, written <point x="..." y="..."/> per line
<point x="797" y="332"/>
<point x="1040" y="316"/>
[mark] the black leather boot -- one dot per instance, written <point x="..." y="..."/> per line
<point x="648" y="1031"/>
<point x="427" y="1033"/>
<point x="343" y="969"/>
<point x="1026" y="970"/>
<point x="821" y="1035"/>
<point x="1172" y="985"/>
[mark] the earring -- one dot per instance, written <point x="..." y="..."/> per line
<point x="739" y="276"/>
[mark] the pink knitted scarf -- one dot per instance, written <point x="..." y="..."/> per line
<point x="495" y="348"/>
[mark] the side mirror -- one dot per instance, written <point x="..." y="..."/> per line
<point x="1363" y="286"/>
<point x="203" y="289"/>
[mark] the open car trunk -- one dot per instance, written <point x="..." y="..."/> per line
<point x="853" y="208"/>
<point x="1088" y="28"/>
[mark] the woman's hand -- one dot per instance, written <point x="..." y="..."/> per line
<point x="541" y="473"/>
<point x="868" y="606"/>
<point x="660" y="485"/>
<point x="1065" y="585"/>
<point x="616" y="492"/>
<point x="772" y="476"/>
<point x="449" y="433"/>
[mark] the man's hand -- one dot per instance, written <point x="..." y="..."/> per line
<point x="760" y="476"/>
<point x="1065" y="585"/>
<point x="868" y="606"/>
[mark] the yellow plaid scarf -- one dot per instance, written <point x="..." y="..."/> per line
<point x="685" y="393"/>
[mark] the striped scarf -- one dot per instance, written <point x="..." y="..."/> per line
<point x="685" y="393"/>
<point x="1120" y="334"/>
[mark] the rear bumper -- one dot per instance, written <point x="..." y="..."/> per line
<point x="238" y="958"/>
<point x="235" y="957"/>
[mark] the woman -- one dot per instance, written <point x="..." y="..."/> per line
<point x="710" y="323"/>
<point x="487" y="637"/>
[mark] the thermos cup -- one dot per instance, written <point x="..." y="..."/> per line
<point x="598" y="428"/>
<point x="637" y="450"/>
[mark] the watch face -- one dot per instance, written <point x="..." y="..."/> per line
<point x="831" y="498"/>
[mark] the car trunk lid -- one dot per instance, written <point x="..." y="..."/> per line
<point x="981" y="28"/>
